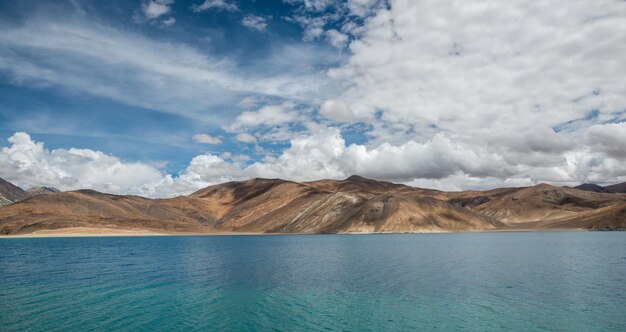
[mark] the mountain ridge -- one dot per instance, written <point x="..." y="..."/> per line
<point x="352" y="205"/>
<point x="615" y="188"/>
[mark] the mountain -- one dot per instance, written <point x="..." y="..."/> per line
<point x="89" y="208"/>
<point x="353" y="205"/>
<point x="591" y="187"/>
<point x="616" y="188"/>
<point x="10" y="193"/>
<point x="349" y="206"/>
<point x="544" y="206"/>
<point x="41" y="191"/>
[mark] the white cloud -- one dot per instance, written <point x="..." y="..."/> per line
<point x="206" y="139"/>
<point x="156" y="8"/>
<point x="245" y="138"/>
<point x="215" y="4"/>
<point x="466" y="68"/>
<point x="88" y="58"/>
<point x="364" y="8"/>
<point x="422" y="69"/>
<point x="336" y="38"/>
<point x="610" y="138"/>
<point x="254" y="22"/>
<point x="169" y="22"/>
<point x="28" y="164"/>
<point x="457" y="97"/>
<point x="266" y="116"/>
<point x="445" y="162"/>
<point x="320" y="19"/>
<point x="337" y="110"/>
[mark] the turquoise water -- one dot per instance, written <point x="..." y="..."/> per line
<point x="482" y="281"/>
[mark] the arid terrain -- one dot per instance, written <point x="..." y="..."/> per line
<point x="353" y="205"/>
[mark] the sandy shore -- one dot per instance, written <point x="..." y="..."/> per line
<point x="96" y="232"/>
<point x="86" y="231"/>
<point x="103" y="232"/>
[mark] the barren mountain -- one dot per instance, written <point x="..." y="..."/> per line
<point x="10" y="193"/>
<point x="616" y="188"/>
<point x="352" y="205"/>
<point x="41" y="191"/>
<point x="88" y="208"/>
<point x="545" y="206"/>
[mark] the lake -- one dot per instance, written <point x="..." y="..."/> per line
<point x="465" y="281"/>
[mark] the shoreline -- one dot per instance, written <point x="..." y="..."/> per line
<point x="75" y="232"/>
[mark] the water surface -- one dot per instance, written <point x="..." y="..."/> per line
<point x="479" y="281"/>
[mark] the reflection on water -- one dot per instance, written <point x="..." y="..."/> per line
<point x="482" y="281"/>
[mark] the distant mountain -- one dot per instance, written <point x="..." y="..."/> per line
<point x="616" y="188"/>
<point x="544" y="206"/>
<point x="10" y="193"/>
<point x="41" y="191"/>
<point x="591" y="187"/>
<point x="353" y="205"/>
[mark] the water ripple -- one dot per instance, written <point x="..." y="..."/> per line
<point x="516" y="281"/>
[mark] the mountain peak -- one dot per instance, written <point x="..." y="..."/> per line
<point x="10" y="193"/>
<point x="356" y="178"/>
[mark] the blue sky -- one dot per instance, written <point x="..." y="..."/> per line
<point x="139" y="129"/>
<point x="163" y="97"/>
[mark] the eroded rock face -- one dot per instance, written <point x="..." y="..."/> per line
<point x="10" y="193"/>
<point x="352" y="205"/>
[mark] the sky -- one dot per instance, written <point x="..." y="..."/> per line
<point x="163" y="97"/>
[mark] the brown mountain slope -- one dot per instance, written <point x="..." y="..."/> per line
<point x="41" y="191"/>
<point x="330" y="206"/>
<point x="616" y="188"/>
<point x="541" y="203"/>
<point x="10" y="193"/>
<point x="591" y="187"/>
<point x="352" y="205"/>
<point x="88" y="208"/>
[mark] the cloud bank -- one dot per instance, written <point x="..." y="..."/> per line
<point x="473" y="94"/>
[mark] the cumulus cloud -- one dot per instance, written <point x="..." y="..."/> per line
<point x="446" y="161"/>
<point x="254" y="22"/>
<point x="489" y="74"/>
<point x="466" y="68"/>
<point x="269" y="115"/>
<point x="337" y="110"/>
<point x="29" y="164"/>
<point x="156" y="8"/>
<point x="610" y="138"/>
<point x="206" y="139"/>
<point x="475" y="95"/>
<point x="215" y="5"/>
<point x="336" y="38"/>
<point x="245" y="138"/>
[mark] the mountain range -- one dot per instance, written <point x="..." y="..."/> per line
<point x="616" y="188"/>
<point x="353" y="205"/>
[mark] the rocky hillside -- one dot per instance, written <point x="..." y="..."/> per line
<point x="353" y="205"/>
<point x="10" y="193"/>
<point x="546" y="206"/>
<point x="616" y="188"/>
